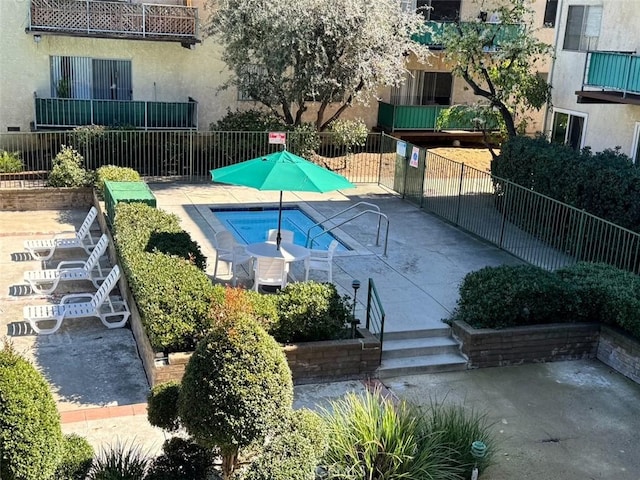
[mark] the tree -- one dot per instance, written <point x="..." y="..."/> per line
<point x="499" y="61"/>
<point x="286" y="54"/>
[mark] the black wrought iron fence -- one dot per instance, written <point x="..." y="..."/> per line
<point x="183" y="155"/>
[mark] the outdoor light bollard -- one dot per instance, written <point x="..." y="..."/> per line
<point x="478" y="450"/>
<point x="355" y="284"/>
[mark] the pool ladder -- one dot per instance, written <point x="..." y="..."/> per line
<point x="374" y="210"/>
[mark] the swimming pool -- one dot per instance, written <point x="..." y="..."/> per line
<point x="250" y="225"/>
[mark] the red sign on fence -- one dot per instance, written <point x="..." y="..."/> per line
<point x="279" y="138"/>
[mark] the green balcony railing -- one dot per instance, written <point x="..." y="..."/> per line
<point x="68" y="113"/>
<point x="499" y="32"/>
<point x="614" y="71"/>
<point x="414" y="117"/>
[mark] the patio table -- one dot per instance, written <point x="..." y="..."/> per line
<point x="289" y="252"/>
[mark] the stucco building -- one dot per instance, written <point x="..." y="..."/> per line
<point x="596" y="76"/>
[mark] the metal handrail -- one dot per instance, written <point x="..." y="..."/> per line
<point x="317" y="224"/>
<point x="380" y="216"/>
<point x="375" y="310"/>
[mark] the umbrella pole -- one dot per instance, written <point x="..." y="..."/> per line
<point x="278" y="238"/>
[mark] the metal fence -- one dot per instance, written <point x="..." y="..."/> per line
<point x="533" y="227"/>
<point x="182" y="155"/>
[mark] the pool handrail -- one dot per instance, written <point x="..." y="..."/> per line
<point x="380" y="217"/>
<point x="317" y="224"/>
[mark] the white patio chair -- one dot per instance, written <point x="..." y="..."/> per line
<point x="286" y="236"/>
<point x="270" y="272"/>
<point x="97" y="304"/>
<point x="44" y="249"/>
<point x="228" y="251"/>
<point x="46" y="281"/>
<point x="321" y="260"/>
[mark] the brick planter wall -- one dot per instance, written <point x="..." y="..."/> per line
<point x="528" y="344"/>
<point x="619" y="352"/>
<point x="45" y="198"/>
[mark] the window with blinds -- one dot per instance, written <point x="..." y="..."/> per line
<point x="90" y="78"/>
<point x="583" y="27"/>
<point x="424" y="88"/>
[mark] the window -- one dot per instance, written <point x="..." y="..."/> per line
<point x="635" y="147"/>
<point x="90" y="78"/>
<point x="550" y="13"/>
<point x="424" y="88"/>
<point x="249" y="73"/>
<point x="568" y="128"/>
<point x="434" y="10"/>
<point x="583" y="28"/>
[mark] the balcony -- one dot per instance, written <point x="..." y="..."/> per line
<point x="70" y="113"/>
<point x="104" y="19"/>
<point x="496" y="33"/>
<point x="392" y="118"/>
<point x="612" y="77"/>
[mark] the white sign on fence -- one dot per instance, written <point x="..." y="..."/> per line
<point x="415" y="157"/>
<point x="278" y="138"/>
<point x="401" y="148"/>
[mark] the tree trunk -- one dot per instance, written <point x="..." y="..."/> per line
<point x="229" y="459"/>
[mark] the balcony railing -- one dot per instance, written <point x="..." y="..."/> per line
<point x="499" y="32"/>
<point x="97" y="18"/>
<point x="414" y="117"/>
<point x="68" y="113"/>
<point x="613" y="71"/>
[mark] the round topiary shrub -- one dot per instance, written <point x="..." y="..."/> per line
<point x="237" y="386"/>
<point x="181" y="460"/>
<point x="162" y="406"/>
<point x="68" y="171"/>
<point x="310" y="311"/>
<point x="77" y="455"/>
<point x="30" y="435"/>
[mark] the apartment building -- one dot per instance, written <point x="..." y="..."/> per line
<point x="67" y="63"/>
<point x="414" y="107"/>
<point x="596" y="76"/>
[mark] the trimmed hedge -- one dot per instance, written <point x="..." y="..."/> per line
<point x="507" y="296"/>
<point x="113" y="173"/>
<point x="141" y="228"/>
<point x="77" y="457"/>
<point x="31" y="440"/>
<point x="605" y="184"/>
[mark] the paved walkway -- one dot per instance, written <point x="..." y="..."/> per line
<point x="568" y="420"/>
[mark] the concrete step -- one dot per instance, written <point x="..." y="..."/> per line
<point x="395" y="367"/>
<point x="443" y="331"/>
<point x="419" y="347"/>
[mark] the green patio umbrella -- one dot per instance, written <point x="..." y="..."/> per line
<point x="281" y="171"/>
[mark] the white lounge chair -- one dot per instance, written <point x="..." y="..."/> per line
<point x="321" y="260"/>
<point x="46" y="281"/>
<point x="269" y="271"/>
<point x="228" y="251"/>
<point x="44" y="249"/>
<point x="97" y="304"/>
<point x="286" y="236"/>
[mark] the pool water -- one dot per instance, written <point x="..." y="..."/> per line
<point x="251" y="225"/>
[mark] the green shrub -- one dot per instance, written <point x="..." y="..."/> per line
<point x="141" y="228"/>
<point x="77" y="456"/>
<point x="349" y="133"/>
<point x="111" y="173"/>
<point x="605" y="294"/>
<point x="457" y="428"/>
<point x="10" y="162"/>
<point x="247" y="121"/>
<point x="293" y="452"/>
<point x="173" y="297"/>
<point x="310" y="311"/>
<point x="119" y="462"/>
<point x="370" y="437"/>
<point x="181" y="460"/>
<point x="303" y="140"/>
<point x="30" y="436"/>
<point x="236" y="389"/>
<point x="162" y="406"/>
<point x="67" y="170"/>
<point x="498" y="297"/>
